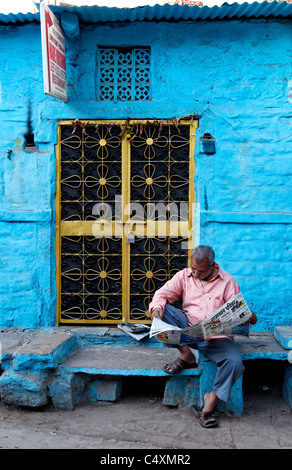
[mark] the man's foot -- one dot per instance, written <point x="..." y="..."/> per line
<point x="206" y="419"/>
<point x="178" y="365"/>
<point x="210" y="402"/>
<point x="205" y="414"/>
<point x="186" y="354"/>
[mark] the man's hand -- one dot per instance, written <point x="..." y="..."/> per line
<point x="253" y="318"/>
<point x="157" y="313"/>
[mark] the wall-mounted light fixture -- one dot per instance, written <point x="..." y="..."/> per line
<point x="208" y="144"/>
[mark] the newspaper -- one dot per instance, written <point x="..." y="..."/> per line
<point x="229" y="319"/>
<point x="137" y="331"/>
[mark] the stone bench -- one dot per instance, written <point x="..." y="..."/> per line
<point x="72" y="365"/>
<point x="99" y="372"/>
<point x="27" y="360"/>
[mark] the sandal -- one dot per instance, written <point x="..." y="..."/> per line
<point x="206" y="419"/>
<point x="178" y="365"/>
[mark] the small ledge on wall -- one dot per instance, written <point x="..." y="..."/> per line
<point x="29" y="144"/>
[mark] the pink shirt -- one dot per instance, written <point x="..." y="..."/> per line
<point x="198" y="302"/>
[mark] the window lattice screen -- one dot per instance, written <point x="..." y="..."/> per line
<point x="123" y="74"/>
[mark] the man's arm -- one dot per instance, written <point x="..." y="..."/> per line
<point x="157" y="312"/>
<point x="232" y="289"/>
<point x="171" y="291"/>
<point x="253" y="318"/>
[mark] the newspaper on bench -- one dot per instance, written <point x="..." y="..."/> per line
<point x="229" y="319"/>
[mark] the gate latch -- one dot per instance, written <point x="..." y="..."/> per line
<point x="131" y="237"/>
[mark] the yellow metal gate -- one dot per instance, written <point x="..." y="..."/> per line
<point x="124" y="210"/>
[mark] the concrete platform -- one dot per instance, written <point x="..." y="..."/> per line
<point x="283" y="335"/>
<point x="35" y="349"/>
<point x="100" y="373"/>
<point x="72" y="365"/>
<point x="123" y="360"/>
<point x="261" y="345"/>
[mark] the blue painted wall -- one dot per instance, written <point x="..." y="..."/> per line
<point x="234" y="74"/>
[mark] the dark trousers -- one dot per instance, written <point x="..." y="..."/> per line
<point x="223" y="351"/>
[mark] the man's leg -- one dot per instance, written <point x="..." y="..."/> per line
<point x="173" y="316"/>
<point x="224" y="353"/>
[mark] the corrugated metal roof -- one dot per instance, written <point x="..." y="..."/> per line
<point x="18" y="18"/>
<point x="97" y="14"/>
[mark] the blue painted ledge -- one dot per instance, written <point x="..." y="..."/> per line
<point x="208" y="217"/>
<point x="25" y="215"/>
<point x="283" y="335"/>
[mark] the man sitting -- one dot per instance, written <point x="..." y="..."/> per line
<point x="203" y="288"/>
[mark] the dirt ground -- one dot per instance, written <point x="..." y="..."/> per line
<point x="139" y="420"/>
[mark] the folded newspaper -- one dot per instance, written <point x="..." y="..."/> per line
<point x="137" y="331"/>
<point x="229" y="319"/>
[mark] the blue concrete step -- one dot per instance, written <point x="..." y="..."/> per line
<point x="35" y="350"/>
<point x="260" y="345"/>
<point x="283" y="335"/>
<point x="123" y="360"/>
<point x="70" y="365"/>
<point x="100" y="372"/>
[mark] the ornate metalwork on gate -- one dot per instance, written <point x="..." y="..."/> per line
<point x="115" y="179"/>
<point x="160" y="172"/>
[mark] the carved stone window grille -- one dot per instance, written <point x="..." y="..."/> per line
<point x="123" y="74"/>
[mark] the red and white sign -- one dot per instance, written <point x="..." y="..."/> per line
<point x="54" y="58"/>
